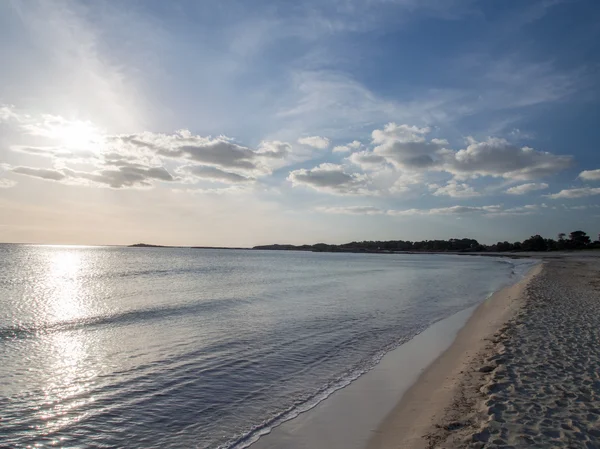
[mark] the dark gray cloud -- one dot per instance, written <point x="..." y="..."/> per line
<point x="498" y="157"/>
<point x="367" y="160"/>
<point x="408" y="148"/>
<point x="214" y="174"/>
<point x="330" y="178"/>
<point x="125" y="176"/>
<point x="219" y="152"/>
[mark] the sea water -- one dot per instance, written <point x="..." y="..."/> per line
<point x="178" y="348"/>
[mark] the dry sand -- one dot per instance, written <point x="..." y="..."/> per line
<point x="523" y="372"/>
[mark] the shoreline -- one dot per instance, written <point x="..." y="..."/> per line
<point x="421" y="418"/>
<point x="352" y="414"/>
<point x="346" y="418"/>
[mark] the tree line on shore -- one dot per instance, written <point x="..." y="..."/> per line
<point x="576" y="240"/>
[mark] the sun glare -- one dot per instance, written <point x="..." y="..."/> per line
<point x="65" y="284"/>
<point x="77" y="135"/>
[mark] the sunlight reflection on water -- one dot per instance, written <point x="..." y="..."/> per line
<point x="64" y="354"/>
<point x="66" y="301"/>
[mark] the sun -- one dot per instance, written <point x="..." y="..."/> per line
<point x="77" y="134"/>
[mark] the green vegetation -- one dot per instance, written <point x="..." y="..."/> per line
<point x="577" y="240"/>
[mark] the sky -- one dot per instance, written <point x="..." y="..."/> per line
<point x="238" y="123"/>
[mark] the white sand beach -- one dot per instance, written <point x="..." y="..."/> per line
<point x="523" y="372"/>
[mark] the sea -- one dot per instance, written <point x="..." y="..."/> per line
<point x="104" y="347"/>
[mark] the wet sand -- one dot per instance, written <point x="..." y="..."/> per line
<point x="347" y="419"/>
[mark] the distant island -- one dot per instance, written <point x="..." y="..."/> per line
<point x="576" y="240"/>
<point x="146" y="245"/>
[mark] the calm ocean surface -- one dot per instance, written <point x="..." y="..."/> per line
<point x="180" y="348"/>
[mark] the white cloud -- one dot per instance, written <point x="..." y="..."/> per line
<point x="406" y="181"/>
<point x="575" y="193"/>
<point x="465" y="210"/>
<point x="400" y="158"/>
<point x="354" y="145"/>
<point x="137" y="160"/>
<point x="528" y="209"/>
<point x="341" y="149"/>
<point x="43" y="173"/>
<point x="330" y="178"/>
<point x="57" y="153"/>
<point x="582" y="207"/>
<point x="454" y="189"/>
<point x="406" y="146"/>
<point x="402" y="152"/>
<point x="527" y="188"/>
<point x="221" y="152"/>
<point x="453" y="210"/>
<point x="492" y="210"/>
<point x="352" y="210"/>
<point x="78" y="140"/>
<point x="274" y="149"/>
<point x="590" y="175"/>
<point x="7" y="113"/>
<point x="7" y="183"/>
<point x="318" y="142"/>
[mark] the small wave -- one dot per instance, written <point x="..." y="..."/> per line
<point x="307" y="404"/>
<point x="125" y="318"/>
<point x="252" y="436"/>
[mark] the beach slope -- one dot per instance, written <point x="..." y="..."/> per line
<point x="421" y="419"/>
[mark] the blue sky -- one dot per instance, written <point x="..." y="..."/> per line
<point x="243" y="123"/>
